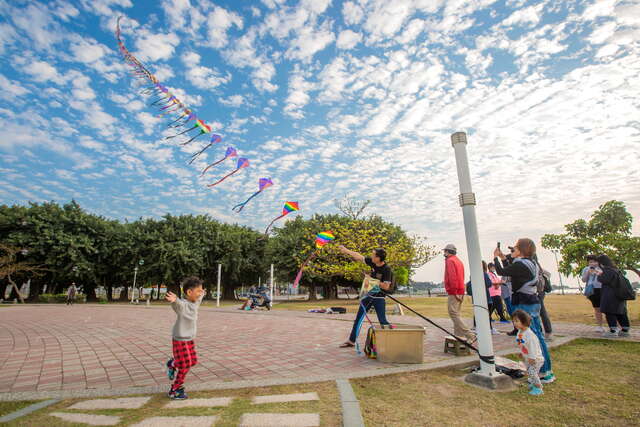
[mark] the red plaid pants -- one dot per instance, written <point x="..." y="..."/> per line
<point x="184" y="357"/>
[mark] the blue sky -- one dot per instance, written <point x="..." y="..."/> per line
<point x="329" y="98"/>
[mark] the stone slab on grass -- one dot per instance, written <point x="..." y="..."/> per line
<point x="283" y="398"/>
<point x="200" y="403"/>
<point x="119" y="403"/>
<point x="91" y="419"/>
<point x="207" y="421"/>
<point x="280" y="420"/>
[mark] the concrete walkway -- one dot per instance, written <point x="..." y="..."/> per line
<point x="55" y="351"/>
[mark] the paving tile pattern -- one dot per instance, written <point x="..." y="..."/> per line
<point x="57" y="347"/>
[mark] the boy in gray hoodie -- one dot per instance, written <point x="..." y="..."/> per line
<point x="184" y="331"/>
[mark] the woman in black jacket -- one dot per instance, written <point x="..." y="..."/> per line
<point x="524" y="274"/>
<point x="614" y="309"/>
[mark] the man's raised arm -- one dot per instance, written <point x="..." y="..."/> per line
<point x="355" y="255"/>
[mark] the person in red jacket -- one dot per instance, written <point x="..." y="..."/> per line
<point x="454" y="285"/>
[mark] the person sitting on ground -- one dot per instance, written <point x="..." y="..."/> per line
<point x="454" y="285"/>
<point x="524" y="273"/>
<point x="593" y="287"/>
<point x="530" y="350"/>
<point x="614" y="308"/>
<point x="495" y="292"/>
<point x="380" y="271"/>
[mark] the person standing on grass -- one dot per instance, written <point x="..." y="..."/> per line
<point x="71" y="294"/>
<point x="495" y="292"/>
<point x="614" y="309"/>
<point x="524" y="273"/>
<point x="530" y="350"/>
<point x="380" y="271"/>
<point x="454" y="285"/>
<point x="593" y="287"/>
<point x="184" y="332"/>
<point x="542" y="292"/>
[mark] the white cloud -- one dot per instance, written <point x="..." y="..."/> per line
<point x="87" y="50"/>
<point x="155" y="47"/>
<point x="7" y="35"/>
<point x="352" y="13"/>
<point x="10" y="90"/>
<point x="37" y="23"/>
<point x="348" y="39"/>
<point x="42" y="71"/>
<point x="232" y="101"/>
<point x="220" y="20"/>
<point x="200" y="76"/>
<point x="298" y="96"/>
<point x="176" y="11"/>
<point x="308" y="42"/>
<point x="528" y="15"/>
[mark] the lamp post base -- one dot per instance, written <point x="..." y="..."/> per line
<point x="497" y="382"/>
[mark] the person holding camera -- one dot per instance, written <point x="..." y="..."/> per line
<point x="593" y="287"/>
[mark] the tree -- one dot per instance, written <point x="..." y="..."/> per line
<point x="608" y="231"/>
<point x="294" y="242"/>
<point x="9" y="265"/>
<point x="350" y="207"/>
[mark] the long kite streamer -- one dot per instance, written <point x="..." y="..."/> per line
<point x="286" y="210"/>
<point x="321" y="240"/>
<point x="263" y="184"/>
<point x="231" y="152"/>
<point x="215" y="139"/>
<point x="167" y="103"/>
<point x="242" y="163"/>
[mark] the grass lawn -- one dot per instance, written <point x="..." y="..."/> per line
<point x="562" y="308"/>
<point x="328" y="407"/>
<point x="9" y="407"/>
<point x="598" y="384"/>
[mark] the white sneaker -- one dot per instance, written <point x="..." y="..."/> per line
<point x="610" y="334"/>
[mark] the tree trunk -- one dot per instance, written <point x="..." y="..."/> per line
<point x="331" y="291"/>
<point x="227" y="292"/>
<point x="123" y="294"/>
<point x="15" y="288"/>
<point x="312" y="293"/>
<point x="90" y="292"/>
<point x="3" y="288"/>
<point x="109" y="289"/>
<point x="36" y="289"/>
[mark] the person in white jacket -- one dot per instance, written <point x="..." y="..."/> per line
<point x="530" y="350"/>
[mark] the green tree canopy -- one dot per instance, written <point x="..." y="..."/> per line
<point x="608" y="231"/>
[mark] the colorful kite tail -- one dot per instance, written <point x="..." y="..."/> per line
<point x="223" y="178"/>
<point x="304" y="264"/>
<point x="195" y="156"/>
<point x="181" y="133"/>
<point x="185" y="143"/>
<point x="238" y="208"/>
<point x="266" y="231"/>
<point x="213" y="164"/>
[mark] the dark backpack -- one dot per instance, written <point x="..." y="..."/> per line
<point x="623" y="289"/>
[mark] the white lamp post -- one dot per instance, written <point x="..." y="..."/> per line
<point x="218" y="294"/>
<point x="487" y="376"/>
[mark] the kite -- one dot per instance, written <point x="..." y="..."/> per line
<point x="321" y="240"/>
<point x="286" y="210"/>
<point x="215" y="139"/>
<point x="242" y="163"/>
<point x="263" y="183"/>
<point x="231" y="152"/>
<point x="167" y="103"/>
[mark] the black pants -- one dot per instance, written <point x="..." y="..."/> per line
<point x="496" y="305"/>
<point x="614" y="319"/>
<point x="544" y="316"/>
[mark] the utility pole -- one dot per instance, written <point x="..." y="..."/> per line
<point x="271" y="286"/>
<point x="218" y="294"/>
<point x="487" y="376"/>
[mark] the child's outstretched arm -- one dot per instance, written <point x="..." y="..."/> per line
<point x="176" y="303"/>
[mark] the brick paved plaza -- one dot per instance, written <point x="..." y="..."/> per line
<point x="59" y="348"/>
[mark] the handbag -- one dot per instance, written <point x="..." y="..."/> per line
<point x="588" y="290"/>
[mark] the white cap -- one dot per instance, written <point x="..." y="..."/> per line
<point x="450" y="247"/>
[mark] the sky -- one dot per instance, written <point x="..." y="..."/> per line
<point x="329" y="98"/>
